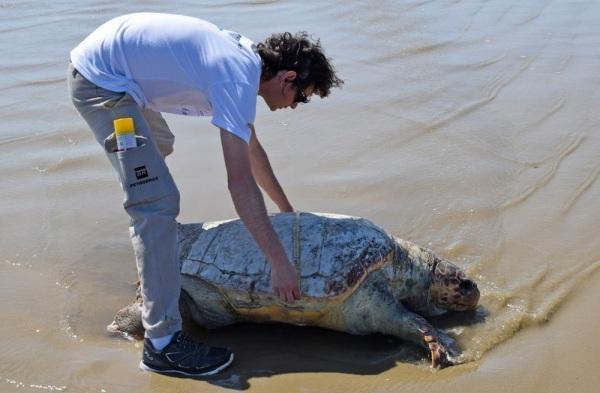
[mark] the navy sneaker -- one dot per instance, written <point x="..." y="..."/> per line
<point x="185" y="356"/>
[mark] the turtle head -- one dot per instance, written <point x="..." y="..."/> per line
<point x="451" y="289"/>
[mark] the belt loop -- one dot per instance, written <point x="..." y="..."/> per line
<point x="75" y="72"/>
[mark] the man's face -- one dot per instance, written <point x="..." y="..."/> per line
<point x="282" y="92"/>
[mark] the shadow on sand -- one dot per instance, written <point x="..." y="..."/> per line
<point x="267" y="350"/>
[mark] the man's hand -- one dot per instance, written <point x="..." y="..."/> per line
<point x="284" y="281"/>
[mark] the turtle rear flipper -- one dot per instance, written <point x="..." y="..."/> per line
<point x="128" y="322"/>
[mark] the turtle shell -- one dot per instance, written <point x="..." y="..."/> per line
<point x="333" y="253"/>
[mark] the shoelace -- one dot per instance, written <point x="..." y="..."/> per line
<point x="194" y="353"/>
<point x="188" y="343"/>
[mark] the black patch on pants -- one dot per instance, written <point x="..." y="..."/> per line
<point x="141" y="172"/>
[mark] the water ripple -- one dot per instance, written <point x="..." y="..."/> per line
<point x="567" y="148"/>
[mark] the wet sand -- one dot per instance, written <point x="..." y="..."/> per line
<point x="468" y="127"/>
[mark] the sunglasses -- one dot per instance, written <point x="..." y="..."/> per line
<point x="300" y="95"/>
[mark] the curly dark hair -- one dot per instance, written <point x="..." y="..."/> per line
<point x="289" y="52"/>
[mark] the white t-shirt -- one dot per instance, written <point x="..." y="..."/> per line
<point x="175" y="64"/>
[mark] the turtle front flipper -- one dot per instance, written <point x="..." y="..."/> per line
<point x="412" y="327"/>
<point x="442" y="354"/>
<point x="409" y="326"/>
<point x="374" y="310"/>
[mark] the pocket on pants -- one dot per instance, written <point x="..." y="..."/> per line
<point x="143" y="173"/>
<point x="113" y="99"/>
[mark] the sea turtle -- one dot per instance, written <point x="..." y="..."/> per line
<point x="354" y="278"/>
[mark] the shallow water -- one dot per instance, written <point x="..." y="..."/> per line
<point x="469" y="127"/>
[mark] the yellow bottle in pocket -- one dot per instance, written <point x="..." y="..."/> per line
<point x="125" y="133"/>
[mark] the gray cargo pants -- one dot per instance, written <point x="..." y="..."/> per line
<point x="151" y="196"/>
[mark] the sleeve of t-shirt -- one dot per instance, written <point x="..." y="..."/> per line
<point x="234" y="107"/>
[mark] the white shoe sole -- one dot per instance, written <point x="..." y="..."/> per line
<point x="144" y="367"/>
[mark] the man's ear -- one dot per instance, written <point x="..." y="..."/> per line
<point x="290" y="76"/>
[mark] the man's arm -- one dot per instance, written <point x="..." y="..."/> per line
<point x="264" y="176"/>
<point x="250" y="206"/>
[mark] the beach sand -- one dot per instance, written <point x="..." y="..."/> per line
<point x="468" y="127"/>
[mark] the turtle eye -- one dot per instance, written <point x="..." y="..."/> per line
<point x="466" y="287"/>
